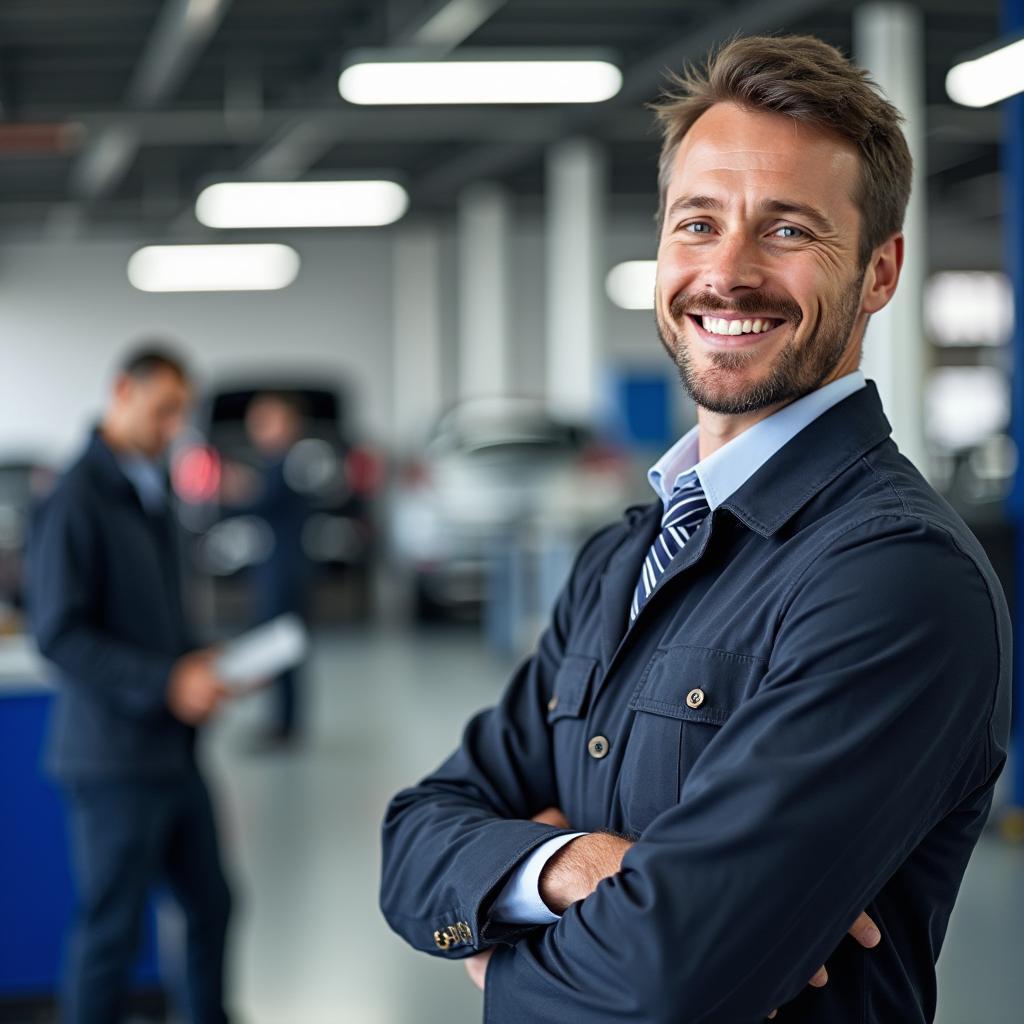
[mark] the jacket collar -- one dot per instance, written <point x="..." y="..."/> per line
<point x="765" y="503"/>
<point x="811" y="460"/>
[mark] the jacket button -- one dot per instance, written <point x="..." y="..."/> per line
<point x="553" y="703"/>
<point x="695" y="698"/>
<point x="598" y="747"/>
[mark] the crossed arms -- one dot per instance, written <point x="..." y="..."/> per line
<point x="809" y="799"/>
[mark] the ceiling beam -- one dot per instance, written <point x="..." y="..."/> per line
<point x="442" y="25"/>
<point x="353" y="124"/>
<point x="181" y="32"/>
<point x="945" y="123"/>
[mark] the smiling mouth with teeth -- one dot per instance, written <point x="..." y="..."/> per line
<point x="721" y="326"/>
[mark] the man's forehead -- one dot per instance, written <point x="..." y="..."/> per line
<point x="163" y="384"/>
<point x="730" y="146"/>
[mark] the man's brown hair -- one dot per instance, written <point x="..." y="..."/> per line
<point x="803" y="78"/>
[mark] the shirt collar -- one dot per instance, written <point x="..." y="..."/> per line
<point x="726" y="470"/>
<point x="147" y="479"/>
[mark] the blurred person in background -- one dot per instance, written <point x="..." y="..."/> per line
<point x="770" y="707"/>
<point x="105" y="606"/>
<point x="281" y="583"/>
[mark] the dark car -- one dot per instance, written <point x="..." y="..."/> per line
<point x="339" y="476"/>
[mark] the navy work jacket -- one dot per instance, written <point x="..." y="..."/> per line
<point x="805" y="721"/>
<point x="105" y="606"/>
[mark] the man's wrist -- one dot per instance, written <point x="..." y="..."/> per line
<point x="519" y="900"/>
<point x="575" y="870"/>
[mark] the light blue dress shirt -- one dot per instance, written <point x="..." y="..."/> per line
<point x="147" y="479"/>
<point x="721" y="474"/>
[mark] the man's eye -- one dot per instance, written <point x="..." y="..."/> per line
<point x="793" y="232"/>
<point x="698" y="228"/>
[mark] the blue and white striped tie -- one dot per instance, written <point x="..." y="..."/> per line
<point x="686" y="509"/>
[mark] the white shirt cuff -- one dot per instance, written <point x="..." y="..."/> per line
<point x="519" y="901"/>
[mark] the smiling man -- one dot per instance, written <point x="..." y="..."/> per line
<point x="771" y="707"/>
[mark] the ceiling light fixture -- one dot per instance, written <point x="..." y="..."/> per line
<point x="213" y="268"/>
<point x="630" y="285"/>
<point x="301" y="204"/>
<point x="987" y="79"/>
<point x="478" y="79"/>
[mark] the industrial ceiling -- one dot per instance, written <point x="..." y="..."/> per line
<point x="117" y="112"/>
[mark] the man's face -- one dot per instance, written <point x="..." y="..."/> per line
<point x="761" y="231"/>
<point x="153" y="409"/>
<point x="273" y="426"/>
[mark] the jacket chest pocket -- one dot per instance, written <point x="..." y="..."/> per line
<point x="684" y="697"/>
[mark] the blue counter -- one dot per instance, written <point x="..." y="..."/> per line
<point x="37" y="893"/>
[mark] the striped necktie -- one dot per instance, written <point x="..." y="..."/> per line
<point x="686" y="509"/>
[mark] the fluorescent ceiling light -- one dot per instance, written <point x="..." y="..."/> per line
<point x="969" y="307"/>
<point x="213" y="268"/>
<point x="480" y="81"/>
<point x="301" y="204"/>
<point x="988" y="79"/>
<point x="964" y="405"/>
<point x="630" y="285"/>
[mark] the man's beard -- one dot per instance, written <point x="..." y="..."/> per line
<point x="796" y="371"/>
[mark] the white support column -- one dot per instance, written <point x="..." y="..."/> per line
<point x="889" y="43"/>
<point x="417" y="350"/>
<point x="575" y="213"/>
<point x="483" y="296"/>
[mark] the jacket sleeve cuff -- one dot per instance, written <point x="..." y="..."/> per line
<point x="519" y="902"/>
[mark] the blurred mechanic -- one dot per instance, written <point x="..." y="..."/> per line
<point x="777" y="697"/>
<point x="275" y="423"/>
<point x="105" y="604"/>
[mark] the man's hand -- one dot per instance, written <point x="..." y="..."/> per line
<point x="865" y="931"/>
<point x="552" y="816"/>
<point x="195" y="691"/>
<point x="476" y="967"/>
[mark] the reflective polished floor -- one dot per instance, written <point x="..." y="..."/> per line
<point x="300" y="830"/>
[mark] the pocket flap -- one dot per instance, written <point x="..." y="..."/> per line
<point x="572" y="686"/>
<point x="698" y="684"/>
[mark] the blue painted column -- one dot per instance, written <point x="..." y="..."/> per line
<point x="1013" y="226"/>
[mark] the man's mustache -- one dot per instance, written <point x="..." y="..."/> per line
<point x="754" y="303"/>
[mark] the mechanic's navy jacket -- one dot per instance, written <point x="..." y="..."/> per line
<point x="105" y="605"/>
<point x="806" y="721"/>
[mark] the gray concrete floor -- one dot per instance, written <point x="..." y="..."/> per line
<point x="300" y="830"/>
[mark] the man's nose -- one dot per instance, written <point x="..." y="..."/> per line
<point x="733" y="265"/>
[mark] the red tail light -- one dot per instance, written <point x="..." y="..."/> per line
<point x="196" y="474"/>
<point x="364" y="470"/>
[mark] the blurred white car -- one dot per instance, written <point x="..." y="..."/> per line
<point x="496" y="472"/>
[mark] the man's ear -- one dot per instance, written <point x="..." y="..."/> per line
<point x="883" y="274"/>
<point x="122" y="385"/>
